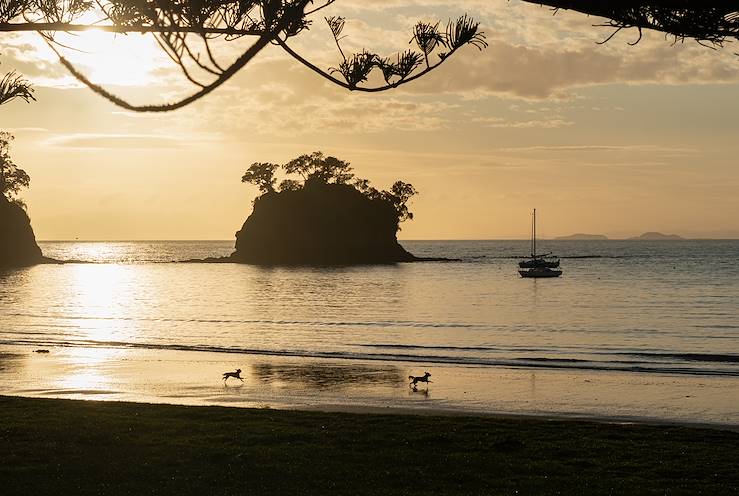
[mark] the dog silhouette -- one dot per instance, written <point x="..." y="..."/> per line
<point x="235" y="375"/>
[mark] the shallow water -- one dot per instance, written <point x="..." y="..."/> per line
<point x="640" y="311"/>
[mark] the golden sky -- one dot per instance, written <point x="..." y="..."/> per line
<point x="605" y="139"/>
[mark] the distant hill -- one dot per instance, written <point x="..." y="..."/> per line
<point x="582" y="237"/>
<point x="656" y="236"/>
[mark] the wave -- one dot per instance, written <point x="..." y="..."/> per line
<point x="682" y="363"/>
<point x="692" y="357"/>
<point x="716" y="326"/>
<point x="578" y="257"/>
<point x="661" y="356"/>
<point x="381" y="323"/>
<point x="563" y="257"/>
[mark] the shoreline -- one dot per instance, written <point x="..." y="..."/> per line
<point x="536" y="417"/>
<point x="87" y="447"/>
<point x="369" y="410"/>
<point x="337" y="384"/>
<point x="427" y="412"/>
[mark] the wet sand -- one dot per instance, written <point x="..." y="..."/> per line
<point x="194" y="378"/>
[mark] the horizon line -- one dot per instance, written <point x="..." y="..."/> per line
<point x="144" y="240"/>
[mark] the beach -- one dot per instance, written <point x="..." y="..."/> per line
<point x="310" y="383"/>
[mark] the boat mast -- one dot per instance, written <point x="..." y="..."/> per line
<point x="533" y="239"/>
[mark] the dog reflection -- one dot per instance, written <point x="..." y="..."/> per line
<point x="413" y="391"/>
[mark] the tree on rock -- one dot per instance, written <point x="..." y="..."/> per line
<point x="316" y="169"/>
<point x="262" y="175"/>
<point x="12" y="178"/>
<point x="399" y="195"/>
<point x="320" y="168"/>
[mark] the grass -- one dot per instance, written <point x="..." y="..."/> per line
<point x="75" y="447"/>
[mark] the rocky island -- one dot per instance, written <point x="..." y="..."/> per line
<point x="18" y="246"/>
<point x="325" y="216"/>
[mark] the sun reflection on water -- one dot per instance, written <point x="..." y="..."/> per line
<point x="90" y="369"/>
<point x="99" y="295"/>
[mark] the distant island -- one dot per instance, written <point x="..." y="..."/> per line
<point x="325" y="216"/>
<point x="656" y="236"/>
<point x="647" y="236"/>
<point x="582" y="237"/>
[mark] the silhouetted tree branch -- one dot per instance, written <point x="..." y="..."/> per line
<point x="707" y="22"/>
<point x="185" y="30"/>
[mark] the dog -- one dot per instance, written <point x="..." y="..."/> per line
<point x="415" y="380"/>
<point x="235" y="375"/>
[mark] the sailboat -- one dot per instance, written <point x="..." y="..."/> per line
<point x="538" y="265"/>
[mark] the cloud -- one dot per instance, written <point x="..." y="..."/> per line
<point x="26" y="130"/>
<point x="652" y="149"/>
<point x="114" y="141"/>
<point x="546" y="123"/>
<point x="540" y="73"/>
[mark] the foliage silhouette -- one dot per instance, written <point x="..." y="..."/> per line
<point x="12" y="177"/>
<point x="321" y="218"/>
<point x="399" y="195"/>
<point x="711" y="23"/>
<point x="185" y="32"/>
<point x="317" y="168"/>
<point x="13" y="86"/>
<point x="261" y="174"/>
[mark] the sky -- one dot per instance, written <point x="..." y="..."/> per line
<point x="604" y="139"/>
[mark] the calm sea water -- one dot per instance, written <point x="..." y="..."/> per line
<point x="632" y="306"/>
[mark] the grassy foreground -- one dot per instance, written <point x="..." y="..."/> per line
<point x="73" y="447"/>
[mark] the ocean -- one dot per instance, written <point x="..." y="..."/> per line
<point x="633" y="312"/>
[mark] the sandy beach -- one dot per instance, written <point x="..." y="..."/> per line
<point x="301" y="383"/>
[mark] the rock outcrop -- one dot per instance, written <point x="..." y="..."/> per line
<point x="320" y="224"/>
<point x="18" y="246"/>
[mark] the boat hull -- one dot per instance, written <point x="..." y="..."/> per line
<point x="538" y="262"/>
<point x="540" y="273"/>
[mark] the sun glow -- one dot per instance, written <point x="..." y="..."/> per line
<point x="98" y="292"/>
<point x="90" y="369"/>
<point x="115" y="59"/>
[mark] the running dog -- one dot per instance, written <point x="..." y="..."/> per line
<point x="235" y="375"/>
<point x="415" y="380"/>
